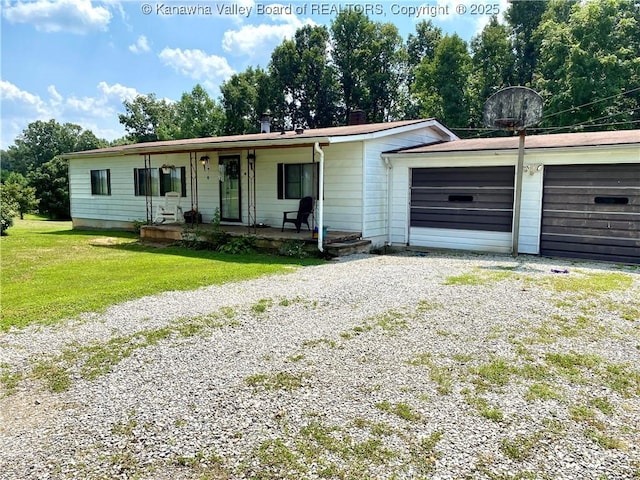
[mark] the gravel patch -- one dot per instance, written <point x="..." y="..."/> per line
<point x="443" y="366"/>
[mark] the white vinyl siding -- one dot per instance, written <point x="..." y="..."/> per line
<point x="375" y="179"/>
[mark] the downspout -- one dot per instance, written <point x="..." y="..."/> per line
<point x="320" y="219"/>
<point x="387" y="162"/>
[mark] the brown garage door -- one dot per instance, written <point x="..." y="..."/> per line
<point x="470" y="198"/>
<point x="592" y="211"/>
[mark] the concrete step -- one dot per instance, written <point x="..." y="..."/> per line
<point x="348" y="247"/>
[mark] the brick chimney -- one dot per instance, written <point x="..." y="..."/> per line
<point x="357" y="117"/>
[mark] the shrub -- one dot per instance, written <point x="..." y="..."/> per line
<point x="8" y="210"/>
<point x="293" y="248"/>
<point x="238" y="246"/>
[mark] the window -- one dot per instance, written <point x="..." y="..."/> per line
<point x="146" y="181"/>
<point x="297" y="180"/>
<point x="174" y="181"/>
<point x="154" y="182"/>
<point x="101" y="182"/>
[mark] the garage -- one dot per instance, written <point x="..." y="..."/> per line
<point x="592" y="212"/>
<point x="468" y="208"/>
<point x="468" y="198"/>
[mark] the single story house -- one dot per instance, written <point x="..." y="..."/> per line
<point x="405" y="183"/>
<point x="251" y="179"/>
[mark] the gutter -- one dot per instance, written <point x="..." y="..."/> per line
<point x="389" y="165"/>
<point x="148" y="149"/>
<point x="320" y="219"/>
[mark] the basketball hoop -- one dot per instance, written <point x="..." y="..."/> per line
<point x="514" y="109"/>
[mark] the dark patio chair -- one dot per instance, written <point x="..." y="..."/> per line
<point x="305" y="210"/>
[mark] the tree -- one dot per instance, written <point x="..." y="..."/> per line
<point x="17" y="188"/>
<point x="245" y="97"/>
<point x="41" y="141"/>
<point x="51" y="182"/>
<point x="524" y="16"/>
<point x="589" y="53"/>
<point x="423" y="44"/>
<point x="352" y="34"/>
<point x="492" y="66"/>
<point x="441" y="84"/>
<point x="148" y="119"/>
<point x="198" y="115"/>
<point x="8" y="210"/>
<point x="420" y="47"/>
<point x="384" y="74"/>
<point x="285" y="73"/>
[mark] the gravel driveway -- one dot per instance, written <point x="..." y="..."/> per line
<point x="443" y="366"/>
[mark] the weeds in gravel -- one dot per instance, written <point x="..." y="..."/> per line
<point x="482" y="405"/>
<point x="261" y="306"/>
<point x="479" y="277"/>
<point x="442" y="375"/>
<point x="603" y="404"/>
<point x="277" y="380"/>
<point x="542" y="391"/>
<point x="401" y="410"/>
<point x="318" y="450"/>
<point x="497" y="372"/>
<point x="521" y="447"/>
<point x="579" y="282"/>
<point x="320" y="341"/>
<point x="100" y="358"/>
<point x="424" y="453"/>
<point x="623" y="379"/>
<point x="604" y="440"/>
<point x="572" y="365"/>
<point x="9" y="379"/>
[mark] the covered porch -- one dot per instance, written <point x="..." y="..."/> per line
<point x="335" y="242"/>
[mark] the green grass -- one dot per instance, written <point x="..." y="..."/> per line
<point x="590" y="282"/>
<point x="401" y="410"/>
<point x="479" y="277"/>
<point x="51" y="272"/>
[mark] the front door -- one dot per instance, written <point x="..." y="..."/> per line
<point x="230" y="188"/>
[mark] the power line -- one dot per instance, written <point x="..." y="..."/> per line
<point x="586" y="123"/>
<point x="591" y="103"/>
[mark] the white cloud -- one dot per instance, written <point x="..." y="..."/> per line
<point x="197" y="64"/>
<point x="141" y="45"/>
<point x="118" y="91"/>
<point x="11" y="93"/>
<point x="253" y="40"/>
<point x="56" y="98"/>
<point x="74" y="16"/>
<point x="98" y="113"/>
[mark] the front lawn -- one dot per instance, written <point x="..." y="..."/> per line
<point x="51" y="272"/>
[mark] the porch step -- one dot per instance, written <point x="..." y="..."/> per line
<point x="341" y="237"/>
<point x="161" y="232"/>
<point x="348" y="247"/>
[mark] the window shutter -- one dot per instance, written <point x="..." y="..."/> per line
<point x="183" y="181"/>
<point x="108" y="181"/>
<point x="280" y="181"/>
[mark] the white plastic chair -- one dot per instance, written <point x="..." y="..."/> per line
<point x="171" y="211"/>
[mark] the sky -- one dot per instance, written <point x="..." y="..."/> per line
<point x="77" y="60"/>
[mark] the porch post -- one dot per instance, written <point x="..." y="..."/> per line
<point x="320" y="202"/>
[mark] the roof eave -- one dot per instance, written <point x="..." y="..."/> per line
<point x="143" y="149"/>
<point x="431" y="123"/>
<point x="510" y="150"/>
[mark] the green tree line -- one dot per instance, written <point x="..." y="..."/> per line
<point x="582" y="57"/>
